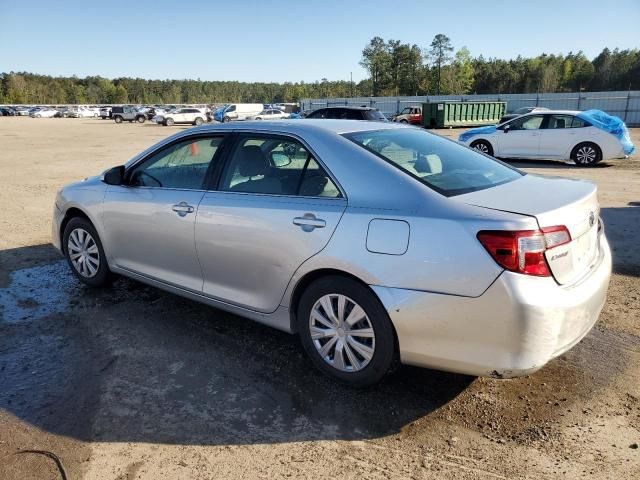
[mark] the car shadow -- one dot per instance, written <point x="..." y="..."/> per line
<point x="523" y="163"/>
<point x="622" y="227"/>
<point x="132" y="363"/>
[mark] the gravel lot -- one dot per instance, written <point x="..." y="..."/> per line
<point x="137" y="383"/>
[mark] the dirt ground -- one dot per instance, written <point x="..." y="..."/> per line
<point x="134" y="383"/>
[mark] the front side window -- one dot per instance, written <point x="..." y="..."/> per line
<point x="443" y="165"/>
<point x="533" y="122"/>
<point x="182" y="165"/>
<point x="277" y="166"/>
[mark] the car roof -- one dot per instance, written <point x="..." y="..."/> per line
<point x="301" y="126"/>
<point x="560" y="112"/>
<point x="347" y="107"/>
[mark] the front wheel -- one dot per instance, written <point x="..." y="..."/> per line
<point x="84" y="253"/>
<point x="198" y="121"/>
<point x="482" y="146"/>
<point x="346" y="331"/>
<point x="168" y="122"/>
<point x="141" y="119"/>
<point x="226" y="120"/>
<point x="586" y="154"/>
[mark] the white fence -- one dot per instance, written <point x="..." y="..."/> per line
<point x="624" y="104"/>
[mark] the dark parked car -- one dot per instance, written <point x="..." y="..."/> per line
<point x="521" y="111"/>
<point x="7" y="112"/>
<point x="348" y="113"/>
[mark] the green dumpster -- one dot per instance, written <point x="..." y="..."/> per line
<point x="462" y="114"/>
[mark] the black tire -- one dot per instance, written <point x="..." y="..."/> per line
<point x="384" y="354"/>
<point x="403" y="121"/>
<point x="226" y="120"/>
<point x="140" y="118"/>
<point x="482" y="146"/>
<point x="586" y="154"/>
<point x="168" y="122"/>
<point x="198" y="121"/>
<point x="117" y="119"/>
<point x="103" y="276"/>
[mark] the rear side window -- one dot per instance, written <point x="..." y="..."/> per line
<point x="445" y="166"/>
<point x="374" y="115"/>
<point x="579" y="123"/>
<point x="278" y="166"/>
<point x="322" y="113"/>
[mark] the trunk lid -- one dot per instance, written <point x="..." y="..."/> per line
<point x="552" y="201"/>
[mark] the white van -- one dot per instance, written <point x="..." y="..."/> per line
<point x="239" y="111"/>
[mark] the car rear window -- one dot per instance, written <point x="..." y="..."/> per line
<point x="441" y="164"/>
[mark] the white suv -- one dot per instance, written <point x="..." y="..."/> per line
<point x="182" y="115"/>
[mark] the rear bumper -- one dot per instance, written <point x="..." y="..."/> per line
<point x="514" y="328"/>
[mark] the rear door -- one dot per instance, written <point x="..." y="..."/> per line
<point x="149" y="222"/>
<point x="558" y="136"/>
<point x="275" y="207"/>
<point x="521" y="139"/>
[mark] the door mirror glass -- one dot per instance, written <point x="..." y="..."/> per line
<point x="114" y="176"/>
<point x="280" y="159"/>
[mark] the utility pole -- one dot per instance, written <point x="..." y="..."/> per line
<point x="351" y="83"/>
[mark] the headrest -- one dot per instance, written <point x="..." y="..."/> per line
<point x="252" y="161"/>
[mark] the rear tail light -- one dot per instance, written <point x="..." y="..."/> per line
<point x="523" y="251"/>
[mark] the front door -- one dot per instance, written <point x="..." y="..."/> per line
<point x="149" y="222"/>
<point x="275" y="208"/>
<point x="521" y="139"/>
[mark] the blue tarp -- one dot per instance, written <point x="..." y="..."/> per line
<point x="476" y="131"/>
<point x="613" y="125"/>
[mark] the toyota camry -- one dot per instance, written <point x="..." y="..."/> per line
<point x="375" y="243"/>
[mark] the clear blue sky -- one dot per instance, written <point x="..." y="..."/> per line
<point x="252" y="40"/>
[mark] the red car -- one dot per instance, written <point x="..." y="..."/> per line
<point x="412" y="115"/>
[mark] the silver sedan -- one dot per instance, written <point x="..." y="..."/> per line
<point x="375" y="243"/>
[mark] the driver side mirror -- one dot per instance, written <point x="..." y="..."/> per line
<point x="280" y="160"/>
<point x="114" y="176"/>
<point x="506" y="128"/>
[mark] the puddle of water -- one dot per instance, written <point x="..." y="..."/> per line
<point x="36" y="292"/>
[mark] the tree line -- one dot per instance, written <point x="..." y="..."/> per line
<point x="394" y="68"/>
<point x="397" y="68"/>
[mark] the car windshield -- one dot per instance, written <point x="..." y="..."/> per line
<point x="441" y="164"/>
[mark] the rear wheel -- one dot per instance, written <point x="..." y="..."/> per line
<point x="346" y="331"/>
<point x="198" y="121"/>
<point x="117" y="119"/>
<point x="403" y="121"/>
<point x="482" y="146"/>
<point x="141" y="118"/>
<point x="586" y="154"/>
<point x="84" y="253"/>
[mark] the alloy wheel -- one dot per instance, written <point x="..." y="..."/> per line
<point x="482" y="147"/>
<point x="83" y="253"/>
<point x="342" y="333"/>
<point x="586" y="154"/>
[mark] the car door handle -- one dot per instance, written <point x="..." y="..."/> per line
<point x="182" y="208"/>
<point x="309" y="221"/>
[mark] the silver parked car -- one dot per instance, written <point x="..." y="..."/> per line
<point x="374" y="242"/>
